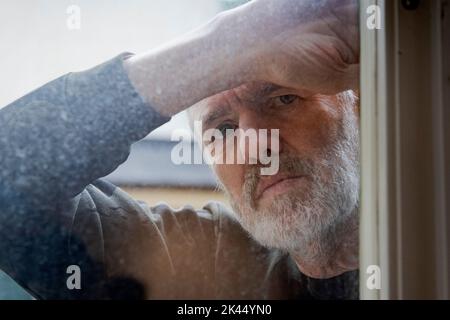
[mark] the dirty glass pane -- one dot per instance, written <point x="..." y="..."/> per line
<point x="157" y="149"/>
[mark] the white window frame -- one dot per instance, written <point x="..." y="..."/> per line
<point x="405" y="150"/>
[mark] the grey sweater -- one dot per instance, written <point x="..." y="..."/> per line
<point x="55" y="211"/>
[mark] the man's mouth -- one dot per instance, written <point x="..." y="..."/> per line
<point x="273" y="185"/>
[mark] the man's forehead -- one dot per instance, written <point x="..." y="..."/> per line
<point x="247" y="92"/>
<point x="207" y="111"/>
<point x="220" y="104"/>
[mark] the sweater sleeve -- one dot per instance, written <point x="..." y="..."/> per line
<point x="54" y="142"/>
<point x="73" y="130"/>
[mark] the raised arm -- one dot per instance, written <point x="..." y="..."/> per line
<point x="302" y="44"/>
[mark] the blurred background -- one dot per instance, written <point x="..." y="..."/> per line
<point x="41" y="40"/>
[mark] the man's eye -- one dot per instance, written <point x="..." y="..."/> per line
<point x="285" y="99"/>
<point x="224" y="127"/>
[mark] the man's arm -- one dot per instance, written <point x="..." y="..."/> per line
<point x="54" y="142"/>
<point x="311" y="46"/>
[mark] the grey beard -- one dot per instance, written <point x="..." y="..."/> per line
<point x="313" y="223"/>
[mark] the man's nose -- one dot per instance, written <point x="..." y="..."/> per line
<point x="259" y="136"/>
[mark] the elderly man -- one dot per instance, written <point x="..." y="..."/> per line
<point x="290" y="65"/>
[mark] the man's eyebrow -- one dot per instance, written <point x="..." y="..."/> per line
<point x="212" y="116"/>
<point x="262" y="91"/>
<point x="268" y="89"/>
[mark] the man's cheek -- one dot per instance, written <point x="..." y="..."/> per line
<point x="317" y="128"/>
<point x="232" y="178"/>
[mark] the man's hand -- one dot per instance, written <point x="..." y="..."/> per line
<point x="303" y="44"/>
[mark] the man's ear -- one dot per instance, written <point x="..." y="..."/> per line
<point x="356" y="104"/>
<point x="350" y="98"/>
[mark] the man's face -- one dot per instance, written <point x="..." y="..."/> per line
<point x="316" y="187"/>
